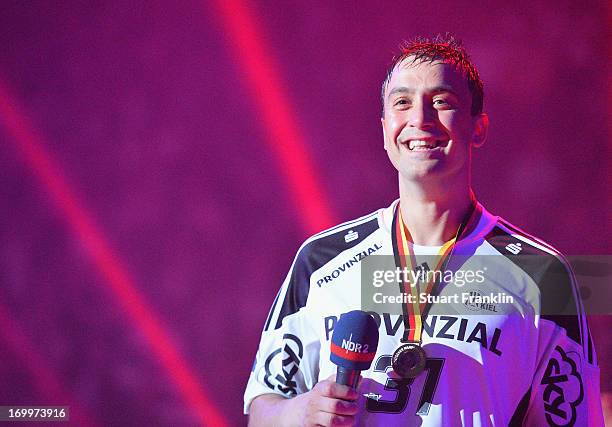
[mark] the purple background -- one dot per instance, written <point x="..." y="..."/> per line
<point x="145" y="110"/>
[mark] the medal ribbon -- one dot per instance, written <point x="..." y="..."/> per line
<point x="405" y="259"/>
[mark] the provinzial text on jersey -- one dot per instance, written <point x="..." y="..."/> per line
<point x="445" y="327"/>
<point x="348" y="264"/>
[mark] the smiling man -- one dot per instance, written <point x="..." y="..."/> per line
<point x="432" y="117"/>
<point x="525" y="358"/>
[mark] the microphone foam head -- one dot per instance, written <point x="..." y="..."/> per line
<point x="354" y="341"/>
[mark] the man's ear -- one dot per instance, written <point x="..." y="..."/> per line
<point x="481" y="129"/>
<point x="382" y="122"/>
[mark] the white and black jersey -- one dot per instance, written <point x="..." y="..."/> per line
<point x="518" y="363"/>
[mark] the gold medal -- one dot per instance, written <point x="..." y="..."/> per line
<point x="409" y="360"/>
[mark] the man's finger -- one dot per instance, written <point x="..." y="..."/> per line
<point x="337" y="406"/>
<point x="333" y="420"/>
<point x="338" y="391"/>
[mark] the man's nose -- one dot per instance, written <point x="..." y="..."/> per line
<point x="421" y="116"/>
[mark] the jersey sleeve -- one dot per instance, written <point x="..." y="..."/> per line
<point x="565" y="390"/>
<point x="286" y="362"/>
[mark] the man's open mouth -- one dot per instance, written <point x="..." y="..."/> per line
<point x="424" y="145"/>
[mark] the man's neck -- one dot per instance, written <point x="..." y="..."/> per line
<point x="433" y="213"/>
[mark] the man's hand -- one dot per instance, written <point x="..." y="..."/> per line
<point x="327" y="404"/>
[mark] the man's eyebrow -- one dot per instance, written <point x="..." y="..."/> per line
<point x="442" y="89"/>
<point x="436" y="89"/>
<point x="400" y="89"/>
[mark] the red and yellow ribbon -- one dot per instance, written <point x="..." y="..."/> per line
<point x="415" y="311"/>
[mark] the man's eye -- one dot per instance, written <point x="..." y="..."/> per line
<point x="401" y="102"/>
<point x="440" y="102"/>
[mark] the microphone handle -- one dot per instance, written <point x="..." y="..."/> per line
<point x="349" y="377"/>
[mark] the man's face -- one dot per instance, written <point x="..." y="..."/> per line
<point x="427" y="125"/>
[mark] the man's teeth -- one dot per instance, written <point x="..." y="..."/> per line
<point x="421" y="145"/>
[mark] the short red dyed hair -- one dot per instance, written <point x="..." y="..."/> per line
<point x="445" y="48"/>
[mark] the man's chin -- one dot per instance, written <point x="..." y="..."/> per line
<point x="422" y="173"/>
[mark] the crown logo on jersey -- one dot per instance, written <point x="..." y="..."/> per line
<point x="350" y="236"/>
<point x="514" y="248"/>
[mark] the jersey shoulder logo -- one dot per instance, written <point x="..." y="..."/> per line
<point x="350" y="236"/>
<point x="563" y="390"/>
<point x="514" y="248"/>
